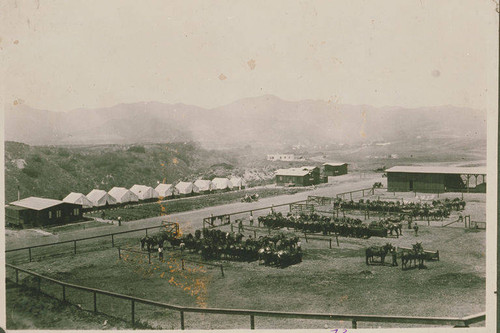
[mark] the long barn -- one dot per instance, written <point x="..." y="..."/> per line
<point x="436" y="179"/>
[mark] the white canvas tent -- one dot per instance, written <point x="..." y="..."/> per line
<point x="186" y="188"/>
<point x="122" y="195"/>
<point x="144" y="192"/>
<point x="100" y="198"/>
<point x="166" y="190"/>
<point x="222" y="184"/>
<point x="204" y="185"/>
<point x="238" y="182"/>
<point x="78" y="198"/>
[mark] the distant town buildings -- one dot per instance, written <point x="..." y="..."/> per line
<point x="281" y="157"/>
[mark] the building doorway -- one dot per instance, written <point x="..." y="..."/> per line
<point x="411" y="185"/>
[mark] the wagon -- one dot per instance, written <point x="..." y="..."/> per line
<point x="377" y="232"/>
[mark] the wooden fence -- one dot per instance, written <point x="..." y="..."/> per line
<point x="111" y="237"/>
<point x="183" y="260"/>
<point x="353" y="318"/>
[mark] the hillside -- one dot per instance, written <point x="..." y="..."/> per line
<point x="258" y="121"/>
<point x="55" y="171"/>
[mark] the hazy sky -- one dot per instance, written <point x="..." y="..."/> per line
<point x="62" y="55"/>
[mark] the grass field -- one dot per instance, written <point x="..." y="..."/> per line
<point x="327" y="281"/>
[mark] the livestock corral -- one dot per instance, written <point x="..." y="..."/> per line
<point x="334" y="262"/>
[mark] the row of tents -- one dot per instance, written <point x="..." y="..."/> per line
<point x="121" y="195"/>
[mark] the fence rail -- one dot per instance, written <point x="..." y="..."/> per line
<point x="353" y="318"/>
<point x="183" y="260"/>
<point x="74" y="241"/>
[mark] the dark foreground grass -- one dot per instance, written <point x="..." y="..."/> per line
<point x="327" y="281"/>
<point x="137" y="212"/>
<point x="31" y="310"/>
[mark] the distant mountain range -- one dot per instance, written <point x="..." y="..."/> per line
<point x="260" y="121"/>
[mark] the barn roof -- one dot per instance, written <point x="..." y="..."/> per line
<point x="36" y="203"/>
<point x="334" y="163"/>
<point x="302" y="171"/>
<point x="439" y="170"/>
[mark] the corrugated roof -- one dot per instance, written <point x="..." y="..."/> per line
<point x="36" y="203"/>
<point x="302" y="171"/>
<point x="334" y="163"/>
<point x="439" y="170"/>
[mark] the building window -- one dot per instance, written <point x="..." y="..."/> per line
<point x="281" y="178"/>
<point x="50" y="214"/>
<point x="58" y="213"/>
<point x="76" y="211"/>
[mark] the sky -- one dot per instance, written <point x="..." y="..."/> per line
<point x="63" y="55"/>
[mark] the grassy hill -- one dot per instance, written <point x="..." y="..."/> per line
<point x="54" y="172"/>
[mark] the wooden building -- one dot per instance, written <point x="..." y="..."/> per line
<point x="436" y="179"/>
<point x="334" y="169"/>
<point x="35" y="211"/>
<point x="303" y="176"/>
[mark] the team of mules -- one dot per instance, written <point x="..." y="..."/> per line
<point x="213" y="244"/>
<point x="410" y="258"/>
<point x="315" y="223"/>
<point x="437" y="210"/>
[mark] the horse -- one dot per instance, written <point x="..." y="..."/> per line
<point x="416" y="253"/>
<point x="380" y="251"/>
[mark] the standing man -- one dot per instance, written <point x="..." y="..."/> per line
<point x="415" y="227"/>
<point x="251" y="219"/>
<point x="394" y="257"/>
<point x="160" y="253"/>
<point x="119" y="221"/>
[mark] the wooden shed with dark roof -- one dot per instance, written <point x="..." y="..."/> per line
<point x="35" y="211"/>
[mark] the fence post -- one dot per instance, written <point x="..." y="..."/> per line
<point x="354" y="324"/>
<point x="119" y="253"/>
<point x="29" y="250"/>
<point x="337" y="238"/>
<point x="95" y="302"/>
<point x="305" y="236"/>
<point x="182" y="262"/>
<point x="232" y="228"/>
<point x="133" y="312"/>
<point x="74" y="247"/>
<point x="17" y="276"/>
<point x="330" y="243"/>
<point x="182" y="320"/>
<point x="146" y="231"/>
<point x="222" y="270"/>
<point x="252" y="322"/>
<point x="64" y="293"/>
<point x="112" y="240"/>
<point x="149" y="257"/>
<point x="38" y="280"/>
<point x="255" y="234"/>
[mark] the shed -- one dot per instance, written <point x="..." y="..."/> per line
<point x="144" y="192"/>
<point x="166" y="190"/>
<point x="222" y="184"/>
<point x="122" y="195"/>
<point x="79" y="199"/>
<point x="100" y="198"/>
<point x="436" y="179"/>
<point x="187" y="188"/>
<point x="35" y="211"/>
<point x="334" y="169"/>
<point x="205" y="186"/>
<point x="303" y="176"/>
